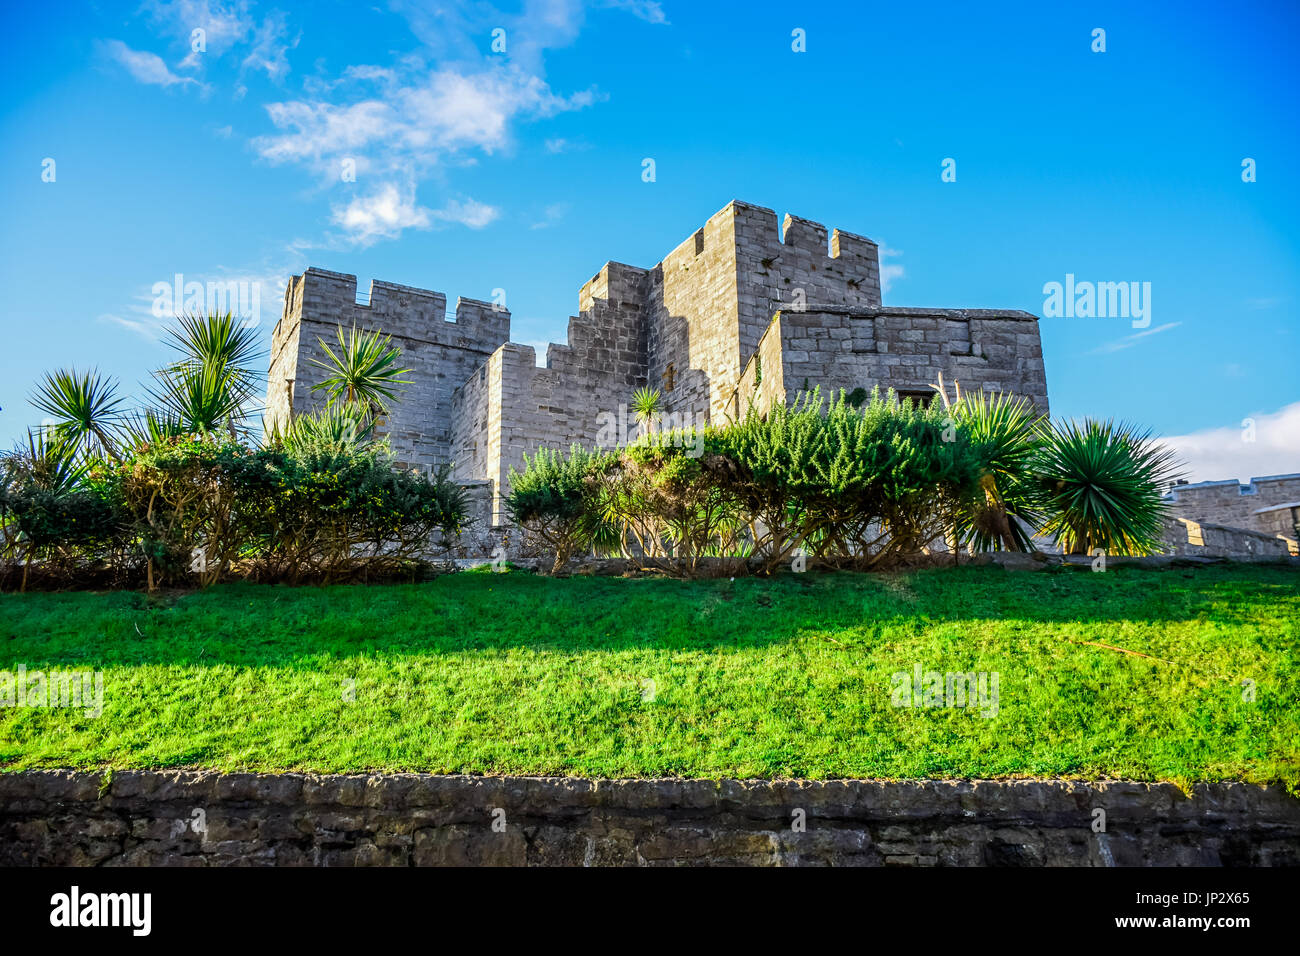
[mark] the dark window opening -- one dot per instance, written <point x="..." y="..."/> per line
<point x="921" y="399"/>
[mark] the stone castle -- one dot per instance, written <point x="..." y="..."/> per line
<point x="741" y="312"/>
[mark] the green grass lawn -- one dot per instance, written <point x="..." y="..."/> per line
<point x="789" y="677"/>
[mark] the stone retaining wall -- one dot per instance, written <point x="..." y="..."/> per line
<point x="209" y="818"/>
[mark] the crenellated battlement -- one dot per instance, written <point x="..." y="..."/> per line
<point x="690" y="326"/>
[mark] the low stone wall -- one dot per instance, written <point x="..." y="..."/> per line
<point x="1184" y="537"/>
<point x="209" y="818"/>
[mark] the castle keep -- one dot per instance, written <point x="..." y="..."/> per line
<point x="741" y="312"/>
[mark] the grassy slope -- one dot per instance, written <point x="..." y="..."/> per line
<point x="785" y="677"/>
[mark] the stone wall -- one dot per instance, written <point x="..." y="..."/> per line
<point x="1233" y="504"/>
<point x="903" y="349"/>
<point x="207" y="818"/>
<point x="441" y="352"/>
<point x="1196" y="539"/>
<point x="710" y="300"/>
<point x="692" y="326"/>
<point x="1280" y="520"/>
<point x="692" y="317"/>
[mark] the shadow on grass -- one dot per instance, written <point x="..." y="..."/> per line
<point x="244" y="624"/>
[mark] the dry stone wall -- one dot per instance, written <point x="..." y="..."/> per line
<point x="1187" y="538"/>
<point x="1236" y="505"/>
<point x="189" y="818"/>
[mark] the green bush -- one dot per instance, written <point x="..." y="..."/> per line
<point x="1103" y="486"/>
<point x="322" y="512"/>
<point x="559" y="499"/>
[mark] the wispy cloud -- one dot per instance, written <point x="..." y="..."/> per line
<point x="1129" y="341"/>
<point x="399" y="124"/>
<point x="647" y="10"/>
<point x="889" y="272"/>
<point x="149" y="314"/>
<point x="551" y="215"/>
<point x="145" y="67"/>
<point x="1219" y="453"/>
<point x="562" y="145"/>
<point x="226" y="28"/>
<point x="381" y="215"/>
<point x="468" y="212"/>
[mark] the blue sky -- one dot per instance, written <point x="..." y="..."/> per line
<point x="477" y="170"/>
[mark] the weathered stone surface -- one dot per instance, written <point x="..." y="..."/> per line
<point x="68" y="818"/>
<point x="699" y="326"/>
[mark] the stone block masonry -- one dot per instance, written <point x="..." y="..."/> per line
<point x="1262" y="505"/>
<point x="195" y="818"/>
<point x="742" y="305"/>
<point x="441" y="350"/>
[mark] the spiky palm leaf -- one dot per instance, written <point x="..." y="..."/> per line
<point x="1104" y="485"/>
<point x="85" y="408"/>
<point x="202" y="398"/>
<point x="645" y="406"/>
<point x="219" y="341"/>
<point x="46" y="462"/>
<point x="364" y="370"/>
<point x="1006" y="432"/>
<point x="152" y="426"/>
<point x="334" y="427"/>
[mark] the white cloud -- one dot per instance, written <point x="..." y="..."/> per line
<point x="413" y="125"/>
<point x="1129" y="341"/>
<point x="1216" y="454"/>
<point x="647" y="10"/>
<point x="889" y="272"/>
<point x="551" y="215"/>
<point x="403" y="121"/>
<point x="145" y="67"/>
<point x="227" y="27"/>
<point x="224" y="25"/>
<point x="149" y="315"/>
<point x="469" y="212"/>
<point x="270" y="48"/>
<point x="396" y="138"/>
<point x="381" y="215"/>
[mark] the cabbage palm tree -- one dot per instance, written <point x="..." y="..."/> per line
<point x="221" y="342"/>
<point x="1006" y="432"/>
<point x="1104" y="487"/>
<point x="85" y="409"/>
<point x="363" y="372"/>
<point x="337" y="427"/>
<point x="212" y="382"/>
<point x="645" y="406"/>
<point x="202" y="397"/>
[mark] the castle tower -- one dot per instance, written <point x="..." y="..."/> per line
<point x="442" y="350"/>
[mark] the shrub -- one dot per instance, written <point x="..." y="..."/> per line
<point x="1103" y="485"/>
<point x="673" y="494"/>
<point x="1006" y="433"/>
<point x="559" y="499"/>
<point x="68" y="524"/>
<point x="853" y="484"/>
